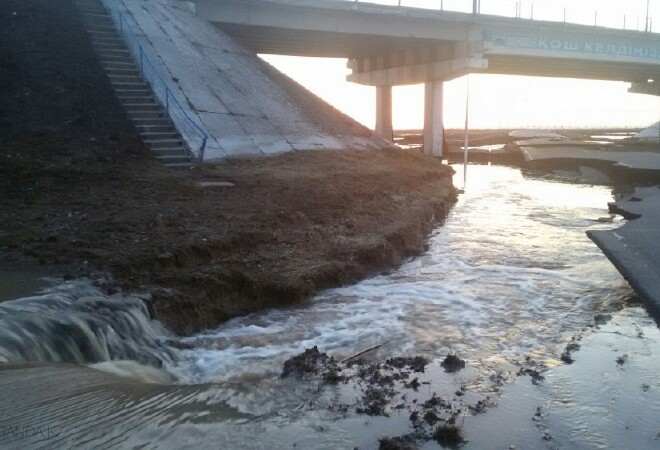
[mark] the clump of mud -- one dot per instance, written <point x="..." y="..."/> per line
<point x="448" y="435"/>
<point x="416" y="363"/>
<point x="453" y="363"/>
<point x="310" y="362"/>
<point x="534" y="374"/>
<point x="567" y="355"/>
<point x="398" y="443"/>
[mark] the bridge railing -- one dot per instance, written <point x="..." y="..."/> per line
<point x="640" y="19"/>
<point x="194" y="135"/>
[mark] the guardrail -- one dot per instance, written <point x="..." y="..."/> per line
<point x="642" y="21"/>
<point x="159" y="86"/>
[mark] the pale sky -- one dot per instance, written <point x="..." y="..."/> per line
<point x="499" y="101"/>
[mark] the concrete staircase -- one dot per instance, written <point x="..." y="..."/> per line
<point x="142" y="108"/>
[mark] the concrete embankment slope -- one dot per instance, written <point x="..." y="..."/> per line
<point x="635" y="247"/>
<point x="243" y="104"/>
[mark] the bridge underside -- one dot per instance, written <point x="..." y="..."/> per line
<point x="370" y="72"/>
<point x="282" y="41"/>
<point x="388" y="46"/>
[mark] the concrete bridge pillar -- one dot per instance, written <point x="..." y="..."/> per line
<point x="384" y="112"/>
<point x="434" y="127"/>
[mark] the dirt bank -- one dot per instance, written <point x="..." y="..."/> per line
<point x="289" y="226"/>
<point x="79" y="190"/>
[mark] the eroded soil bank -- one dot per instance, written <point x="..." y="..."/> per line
<point x="288" y="226"/>
<point x="78" y="190"/>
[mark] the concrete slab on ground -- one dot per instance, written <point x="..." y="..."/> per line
<point x="631" y="159"/>
<point x="634" y="248"/>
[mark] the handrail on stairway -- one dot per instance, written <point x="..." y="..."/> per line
<point x="150" y="74"/>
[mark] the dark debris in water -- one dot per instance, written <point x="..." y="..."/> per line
<point x="375" y="401"/>
<point x="448" y="435"/>
<point x="415" y="363"/>
<point x="398" y="443"/>
<point x="534" y="374"/>
<point x="310" y="362"/>
<point x="621" y="360"/>
<point x="602" y="319"/>
<point x="437" y="419"/>
<point x="571" y="347"/>
<point x="383" y="388"/>
<point x="453" y="363"/>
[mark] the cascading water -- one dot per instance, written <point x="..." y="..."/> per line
<point x="75" y="322"/>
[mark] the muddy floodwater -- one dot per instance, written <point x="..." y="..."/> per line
<point x="507" y="284"/>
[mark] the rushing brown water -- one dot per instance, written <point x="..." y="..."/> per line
<point x="510" y="278"/>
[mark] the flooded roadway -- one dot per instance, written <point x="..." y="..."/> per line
<point x="507" y="282"/>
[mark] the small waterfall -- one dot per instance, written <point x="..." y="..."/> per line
<point x="75" y="322"/>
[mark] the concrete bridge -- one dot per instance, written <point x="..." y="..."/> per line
<point x="391" y="45"/>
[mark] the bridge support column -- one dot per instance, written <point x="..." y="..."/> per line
<point x="384" y="112"/>
<point x="434" y="127"/>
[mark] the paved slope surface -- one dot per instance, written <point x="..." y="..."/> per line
<point x="244" y="105"/>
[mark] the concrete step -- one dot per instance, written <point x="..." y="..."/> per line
<point x="119" y="63"/>
<point x="156" y="135"/>
<point x="125" y="78"/>
<point x="173" y="159"/>
<point x="106" y="45"/>
<point x="165" y="144"/>
<point x="155" y="107"/>
<point x="130" y="84"/>
<point x="90" y="4"/>
<point x="141" y="103"/>
<point x="91" y="8"/>
<point x="114" y="58"/>
<point x="95" y="12"/>
<point x="154" y="126"/>
<point x="121" y="68"/>
<point x="102" y="32"/>
<point x="102" y="49"/>
<point x="172" y="153"/>
<point x="107" y="39"/>
<point x="123" y="94"/>
<point x="110" y="51"/>
<point x="88" y="10"/>
<point x="135" y="99"/>
<point x="179" y="166"/>
<point x="99" y="24"/>
<point x="122" y="71"/>
<point x="98" y="19"/>
<point x="146" y="114"/>
<point x="124" y="75"/>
